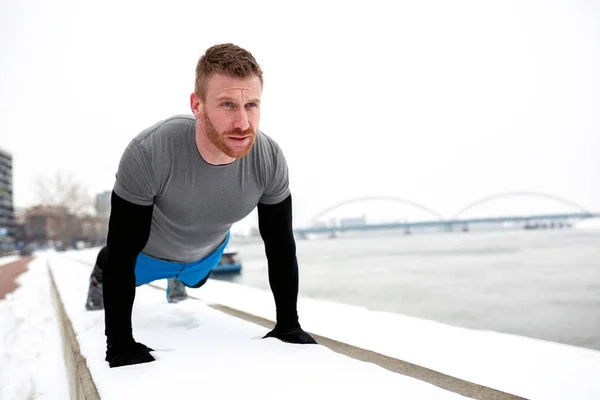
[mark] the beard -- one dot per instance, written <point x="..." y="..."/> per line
<point x="220" y="139"/>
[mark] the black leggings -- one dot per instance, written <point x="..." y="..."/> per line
<point x="99" y="266"/>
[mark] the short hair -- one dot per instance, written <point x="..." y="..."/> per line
<point x="227" y="59"/>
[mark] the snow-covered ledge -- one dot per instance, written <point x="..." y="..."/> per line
<point x="81" y="383"/>
<point x="204" y="350"/>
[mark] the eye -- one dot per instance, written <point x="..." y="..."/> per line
<point x="227" y="104"/>
<point x="252" y="105"/>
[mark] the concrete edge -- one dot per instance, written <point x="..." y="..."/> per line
<point x="441" y="380"/>
<point x="81" y="383"/>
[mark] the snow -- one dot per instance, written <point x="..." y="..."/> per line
<point x="8" y="259"/>
<point x="522" y="366"/>
<point x="202" y="352"/>
<point x="31" y="359"/>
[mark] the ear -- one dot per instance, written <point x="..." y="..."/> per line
<point x="196" y="105"/>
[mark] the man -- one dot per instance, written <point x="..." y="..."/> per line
<point x="181" y="184"/>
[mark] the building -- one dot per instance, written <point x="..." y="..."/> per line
<point x="7" y="212"/>
<point x="93" y="230"/>
<point x="103" y="204"/>
<point x="45" y="224"/>
<point x="20" y="219"/>
<point x="356" y="221"/>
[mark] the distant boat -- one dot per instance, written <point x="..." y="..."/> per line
<point x="230" y="263"/>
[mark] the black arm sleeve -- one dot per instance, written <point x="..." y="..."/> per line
<point x="128" y="232"/>
<point x="275" y="225"/>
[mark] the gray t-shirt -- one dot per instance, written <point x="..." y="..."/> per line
<point x="195" y="203"/>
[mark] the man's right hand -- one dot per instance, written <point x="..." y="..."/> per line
<point x="128" y="353"/>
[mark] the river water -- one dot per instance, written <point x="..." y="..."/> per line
<point x="541" y="284"/>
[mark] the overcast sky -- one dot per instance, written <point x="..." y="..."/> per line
<point x="436" y="102"/>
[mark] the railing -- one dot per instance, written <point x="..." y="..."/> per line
<point x="447" y="223"/>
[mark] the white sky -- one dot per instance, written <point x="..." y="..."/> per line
<point x="437" y="102"/>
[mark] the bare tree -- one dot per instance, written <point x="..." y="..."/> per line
<point x="64" y="192"/>
<point x="68" y="198"/>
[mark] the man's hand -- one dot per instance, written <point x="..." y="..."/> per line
<point x="128" y="353"/>
<point x="291" y="335"/>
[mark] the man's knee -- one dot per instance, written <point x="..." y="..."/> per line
<point x="99" y="266"/>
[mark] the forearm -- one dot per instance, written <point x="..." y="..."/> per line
<point x="119" y="294"/>
<point x="275" y="223"/>
<point x="283" y="278"/>
<point x="128" y="232"/>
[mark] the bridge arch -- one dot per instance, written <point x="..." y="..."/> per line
<point x="376" y="198"/>
<point x="514" y="194"/>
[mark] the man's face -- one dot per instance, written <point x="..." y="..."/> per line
<point x="231" y="113"/>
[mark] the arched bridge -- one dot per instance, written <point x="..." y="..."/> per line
<point x="454" y="221"/>
<point x="518" y="194"/>
<point x="376" y="198"/>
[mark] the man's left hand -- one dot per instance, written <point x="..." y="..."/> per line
<point x="291" y="335"/>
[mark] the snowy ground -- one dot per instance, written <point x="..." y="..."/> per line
<point x="8" y="260"/>
<point x="522" y="366"/>
<point x="203" y="353"/>
<point x="31" y="359"/>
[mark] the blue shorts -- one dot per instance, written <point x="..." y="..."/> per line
<point x="148" y="269"/>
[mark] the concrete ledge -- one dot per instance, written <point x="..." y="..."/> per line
<point x="81" y="383"/>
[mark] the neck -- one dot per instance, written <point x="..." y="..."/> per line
<point x="209" y="152"/>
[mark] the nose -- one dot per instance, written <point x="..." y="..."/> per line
<point x="241" y="120"/>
